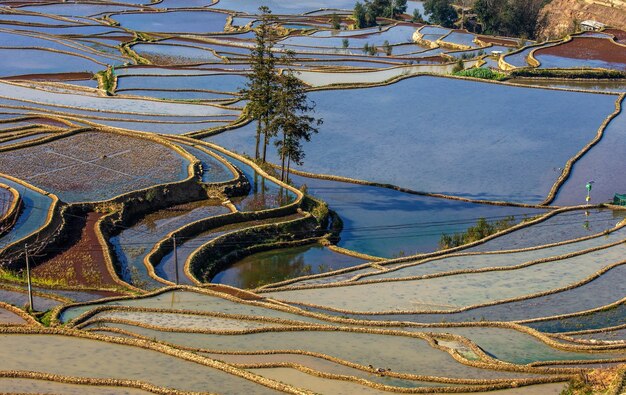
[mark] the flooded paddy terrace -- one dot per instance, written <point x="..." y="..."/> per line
<point x="121" y="133"/>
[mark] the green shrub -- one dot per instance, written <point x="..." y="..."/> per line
<point x="482" y="229"/>
<point x="151" y="195"/>
<point x="46" y="318"/>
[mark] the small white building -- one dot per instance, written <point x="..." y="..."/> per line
<point x="591" y="26"/>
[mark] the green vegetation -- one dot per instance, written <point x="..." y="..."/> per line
<point x="20" y="278"/>
<point x="365" y="14"/>
<point x="360" y="16"/>
<point x="387" y="48"/>
<point x="571" y="73"/>
<point x="482" y="73"/>
<point x="345" y="43"/>
<point x="278" y="102"/>
<point x="518" y="18"/>
<point x="316" y="207"/>
<point x="151" y="195"/>
<point x="106" y="80"/>
<point x="417" y="17"/>
<point x="335" y="21"/>
<point x="482" y="229"/>
<point x="369" y="49"/>
<point x="45" y="318"/>
<point x="441" y="12"/>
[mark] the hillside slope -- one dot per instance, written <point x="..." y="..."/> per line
<point x="561" y="14"/>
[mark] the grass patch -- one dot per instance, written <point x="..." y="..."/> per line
<point x="45" y="318"/>
<point x="482" y="73"/>
<point x="20" y="278"/>
<point x="571" y="73"/>
<point x="106" y="80"/>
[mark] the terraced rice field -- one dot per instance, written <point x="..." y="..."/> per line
<point x="431" y="121"/>
<point x="584" y="51"/>
<point x="441" y="235"/>
<point x="95" y="166"/>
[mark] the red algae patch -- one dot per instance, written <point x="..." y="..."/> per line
<point x="585" y="48"/>
<point x="620" y="35"/>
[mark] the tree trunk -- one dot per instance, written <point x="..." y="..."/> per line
<point x="266" y="139"/>
<point x="255" y="187"/>
<point x="258" y="139"/>
<point x="265" y="142"/>
<point x="282" y="157"/>
<point x="263" y="190"/>
<point x="288" y="166"/>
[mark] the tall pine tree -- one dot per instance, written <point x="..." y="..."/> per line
<point x="259" y="90"/>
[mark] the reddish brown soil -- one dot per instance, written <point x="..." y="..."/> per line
<point x="122" y="38"/>
<point x="191" y="40"/>
<point x="620" y="35"/>
<point x="52" y="77"/>
<point x="498" y="41"/>
<point x="82" y="263"/>
<point x="588" y="48"/>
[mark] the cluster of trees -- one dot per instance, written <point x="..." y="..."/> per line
<point x="441" y="12"/>
<point x="519" y="18"/>
<point x="365" y="14"/>
<point x="277" y="101"/>
<point x="369" y="49"/>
